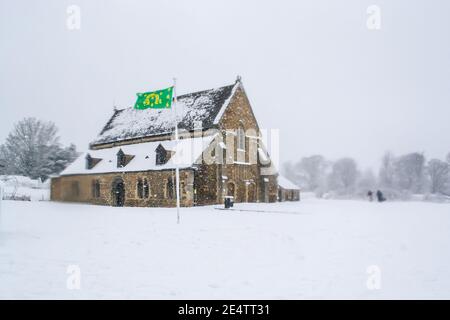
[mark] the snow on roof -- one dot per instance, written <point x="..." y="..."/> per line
<point x="263" y="155"/>
<point x="264" y="158"/>
<point x="186" y="153"/>
<point x="287" y="184"/>
<point x="204" y="106"/>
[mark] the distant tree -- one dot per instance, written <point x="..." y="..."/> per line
<point x="439" y="173"/>
<point x="290" y="172"/>
<point x="343" y="176"/>
<point x="410" y="172"/>
<point x="448" y="158"/>
<point x="32" y="149"/>
<point x="312" y="170"/>
<point x="387" y="171"/>
<point x="3" y="168"/>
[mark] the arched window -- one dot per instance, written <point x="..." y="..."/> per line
<point x="140" y="192"/>
<point x="146" y="189"/>
<point x="169" y="188"/>
<point x="241" y="138"/>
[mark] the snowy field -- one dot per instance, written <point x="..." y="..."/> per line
<point x="309" y="249"/>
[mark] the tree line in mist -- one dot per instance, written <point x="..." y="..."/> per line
<point x="32" y="149"/>
<point x="399" y="176"/>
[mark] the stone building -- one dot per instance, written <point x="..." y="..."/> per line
<point x="287" y="190"/>
<point x="132" y="162"/>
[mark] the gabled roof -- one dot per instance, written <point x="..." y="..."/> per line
<point x="205" y="106"/>
<point x="287" y="184"/>
<point x="186" y="153"/>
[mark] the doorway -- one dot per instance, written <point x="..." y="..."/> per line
<point x="118" y="193"/>
<point x="251" y="192"/>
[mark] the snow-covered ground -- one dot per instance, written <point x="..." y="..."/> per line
<point x="309" y="249"/>
<point x="20" y="187"/>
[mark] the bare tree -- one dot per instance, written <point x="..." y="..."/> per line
<point x="312" y="170"/>
<point x="343" y="176"/>
<point x="410" y="172"/>
<point x="439" y="173"/>
<point x="32" y="149"/>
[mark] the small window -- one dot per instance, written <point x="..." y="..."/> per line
<point x="140" y="189"/>
<point x="183" y="190"/>
<point x="169" y="188"/>
<point x="88" y="161"/>
<point x="146" y="189"/>
<point x="161" y="155"/>
<point x="96" y="189"/>
<point x="121" y="159"/>
<point x="241" y="138"/>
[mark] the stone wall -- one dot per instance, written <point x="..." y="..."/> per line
<point x="288" y="194"/>
<point x="79" y="188"/>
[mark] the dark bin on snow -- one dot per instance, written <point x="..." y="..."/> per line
<point x="228" y="202"/>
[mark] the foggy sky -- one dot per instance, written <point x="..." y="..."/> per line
<point x="310" y="68"/>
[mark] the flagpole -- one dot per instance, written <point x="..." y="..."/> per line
<point x="177" y="170"/>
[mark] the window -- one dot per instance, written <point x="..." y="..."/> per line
<point x="96" y="189"/>
<point x="140" y="190"/>
<point x="88" y="161"/>
<point x="169" y="188"/>
<point x="91" y="162"/>
<point x="75" y="189"/>
<point x="146" y="189"/>
<point x="183" y="190"/>
<point x="161" y="155"/>
<point x="241" y="138"/>
<point x="120" y="159"/>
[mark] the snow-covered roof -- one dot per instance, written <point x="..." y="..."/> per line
<point x="186" y="153"/>
<point x="205" y="106"/>
<point x="268" y="168"/>
<point x="287" y="184"/>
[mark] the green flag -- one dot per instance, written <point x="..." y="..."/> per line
<point x="161" y="99"/>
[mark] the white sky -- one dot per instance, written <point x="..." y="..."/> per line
<point x="310" y="68"/>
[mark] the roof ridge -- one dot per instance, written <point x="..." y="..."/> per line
<point x="126" y="124"/>
<point x="186" y="94"/>
<point x="204" y="91"/>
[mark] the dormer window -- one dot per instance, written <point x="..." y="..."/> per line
<point x="162" y="155"/>
<point x="91" y="162"/>
<point x="121" y="159"/>
<point x="88" y="161"/>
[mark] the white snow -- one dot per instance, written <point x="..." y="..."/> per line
<point x="309" y="249"/>
<point x="21" y="187"/>
<point x="131" y="123"/>
<point x="287" y="184"/>
<point x="227" y="102"/>
<point x="186" y="153"/>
